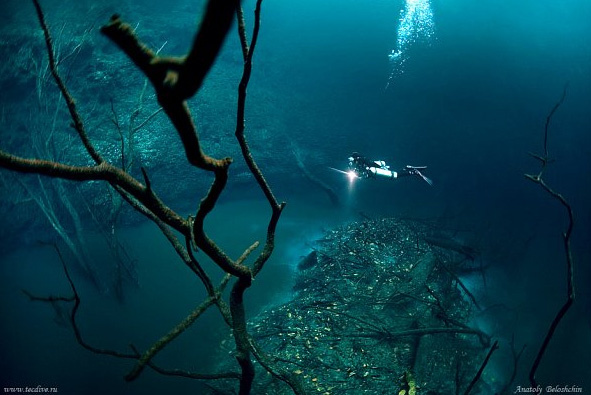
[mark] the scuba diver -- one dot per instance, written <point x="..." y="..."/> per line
<point x="361" y="167"/>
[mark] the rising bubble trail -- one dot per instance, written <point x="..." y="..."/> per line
<point x="416" y="25"/>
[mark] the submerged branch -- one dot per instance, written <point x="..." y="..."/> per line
<point x="175" y="80"/>
<point x="494" y="347"/>
<point x="76" y="118"/>
<point x="101" y="172"/>
<point x="289" y="378"/>
<point x="169" y="337"/>
<point x="570" y="288"/>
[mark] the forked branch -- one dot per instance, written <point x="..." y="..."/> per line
<point x="76" y="118"/>
<point x="570" y="288"/>
<point x="175" y="80"/>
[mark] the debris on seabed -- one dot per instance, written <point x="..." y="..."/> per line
<point x="366" y="316"/>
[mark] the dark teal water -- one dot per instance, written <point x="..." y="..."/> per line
<point x="470" y="104"/>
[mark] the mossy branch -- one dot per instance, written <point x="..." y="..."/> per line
<point x="167" y="75"/>
<point x="147" y="356"/>
<point x="100" y="172"/>
<point x="242" y="31"/>
<point x="178" y="79"/>
<point x="175" y="80"/>
<point x="246" y="152"/>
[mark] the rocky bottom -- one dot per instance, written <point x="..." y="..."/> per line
<point x="377" y="308"/>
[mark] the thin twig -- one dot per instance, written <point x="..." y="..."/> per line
<point x="169" y="337"/>
<point x="484" y="363"/>
<point x="77" y="120"/>
<point x="516" y="357"/>
<point x="570" y="288"/>
<point x="290" y="379"/>
<point x="103" y="171"/>
<point x="74" y="311"/>
<point x="174" y="80"/>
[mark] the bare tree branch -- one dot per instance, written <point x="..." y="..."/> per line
<point x="266" y="361"/>
<point x="103" y="171"/>
<point x="169" y="337"/>
<point x="484" y="363"/>
<point x="516" y="356"/>
<point x="77" y="120"/>
<point x="570" y="287"/>
<point x="174" y="80"/>
<point x="545" y="159"/>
